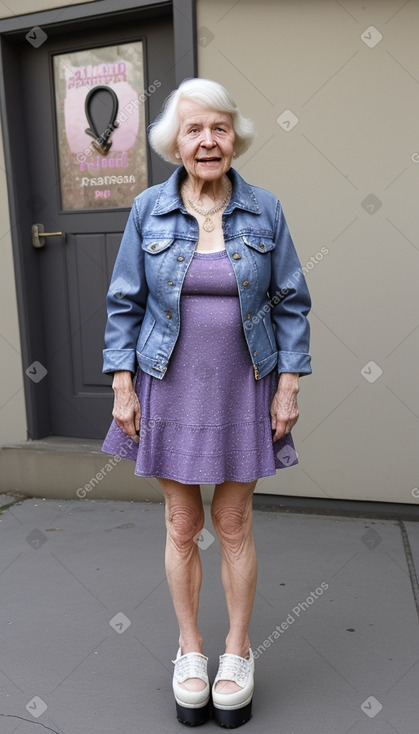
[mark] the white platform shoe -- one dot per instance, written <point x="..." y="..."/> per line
<point x="234" y="709"/>
<point x="192" y="707"/>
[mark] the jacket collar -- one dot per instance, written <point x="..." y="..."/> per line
<point x="169" y="199"/>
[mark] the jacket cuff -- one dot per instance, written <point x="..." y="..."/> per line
<point x="294" y="362"/>
<point x="119" y="359"/>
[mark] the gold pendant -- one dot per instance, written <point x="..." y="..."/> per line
<point x="208" y="225"/>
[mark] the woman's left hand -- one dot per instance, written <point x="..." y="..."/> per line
<point x="284" y="408"/>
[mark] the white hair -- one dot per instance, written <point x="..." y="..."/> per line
<point x="210" y="95"/>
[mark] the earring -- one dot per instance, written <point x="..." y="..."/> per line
<point x="177" y="155"/>
<point x="234" y="154"/>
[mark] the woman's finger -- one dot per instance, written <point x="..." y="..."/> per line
<point x="137" y="416"/>
<point x="128" y="427"/>
<point x="126" y="414"/>
<point x="284" y="425"/>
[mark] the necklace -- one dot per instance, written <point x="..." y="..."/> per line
<point x="208" y="223"/>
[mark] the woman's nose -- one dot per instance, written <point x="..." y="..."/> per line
<point x="207" y="139"/>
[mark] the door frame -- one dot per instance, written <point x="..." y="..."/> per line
<point x="26" y="264"/>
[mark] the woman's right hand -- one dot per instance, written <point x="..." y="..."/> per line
<point x="126" y="410"/>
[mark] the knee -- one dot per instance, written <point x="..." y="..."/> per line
<point x="183" y="525"/>
<point x="232" y="525"/>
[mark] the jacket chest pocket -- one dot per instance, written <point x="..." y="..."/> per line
<point x="155" y="252"/>
<point x="259" y="244"/>
<point x="156" y="246"/>
<point x="258" y="249"/>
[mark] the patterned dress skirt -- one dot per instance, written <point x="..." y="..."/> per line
<point x="208" y="419"/>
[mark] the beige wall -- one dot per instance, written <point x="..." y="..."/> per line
<point x="358" y="111"/>
<point x="12" y="403"/>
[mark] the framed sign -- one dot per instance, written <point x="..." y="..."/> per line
<point x="101" y="135"/>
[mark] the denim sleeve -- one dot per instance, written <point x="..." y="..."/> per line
<point x="125" y="301"/>
<point x="291" y="299"/>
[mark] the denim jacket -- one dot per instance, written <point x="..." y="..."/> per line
<point x="157" y="247"/>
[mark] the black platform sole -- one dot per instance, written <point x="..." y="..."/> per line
<point x="233" y="718"/>
<point x="193" y="717"/>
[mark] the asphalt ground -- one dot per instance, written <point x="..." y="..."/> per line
<point x="88" y="630"/>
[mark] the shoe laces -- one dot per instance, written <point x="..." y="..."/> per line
<point x="233" y="668"/>
<point x="191" y="665"/>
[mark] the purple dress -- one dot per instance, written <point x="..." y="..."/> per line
<point x="208" y="419"/>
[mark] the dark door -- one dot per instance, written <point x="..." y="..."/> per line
<point x="73" y="270"/>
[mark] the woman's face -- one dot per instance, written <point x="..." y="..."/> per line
<point x="205" y="141"/>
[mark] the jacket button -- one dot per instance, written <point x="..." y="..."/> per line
<point x="236" y="256"/>
<point x="248" y="315"/>
<point x="180" y="258"/>
<point x="170" y="282"/>
<point x="168" y="314"/>
<point x="153" y="246"/>
<point x="262" y="246"/>
<point x="255" y="353"/>
<point x="245" y="282"/>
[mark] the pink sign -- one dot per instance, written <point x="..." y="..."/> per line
<point x="95" y="176"/>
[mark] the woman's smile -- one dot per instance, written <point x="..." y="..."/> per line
<point x="208" y="162"/>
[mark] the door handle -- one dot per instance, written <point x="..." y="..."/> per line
<point x="38" y="232"/>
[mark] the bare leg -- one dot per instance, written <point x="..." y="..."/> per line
<point x="184" y="520"/>
<point x="231" y="512"/>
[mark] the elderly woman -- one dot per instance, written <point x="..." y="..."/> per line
<point x="207" y="335"/>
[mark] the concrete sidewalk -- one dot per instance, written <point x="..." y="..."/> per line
<point x="88" y="630"/>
